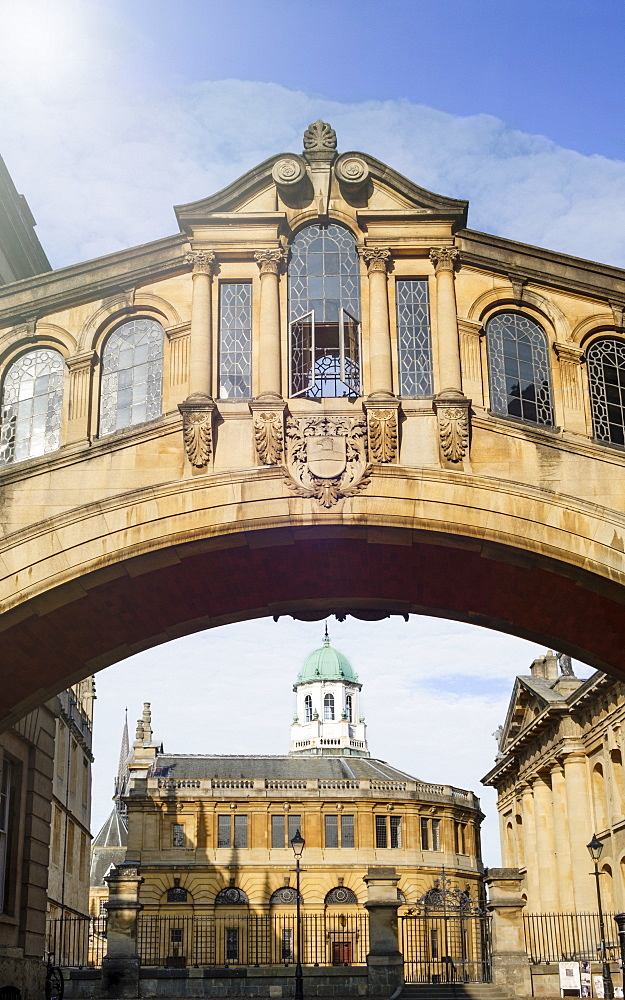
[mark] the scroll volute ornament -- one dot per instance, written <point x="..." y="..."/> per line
<point x="444" y="258"/>
<point x="271" y="261"/>
<point x="201" y="261"/>
<point x="376" y="258"/>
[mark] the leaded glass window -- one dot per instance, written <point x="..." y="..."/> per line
<point x="340" y="895"/>
<point x="235" y="340"/>
<point x="132" y="375"/>
<point x="332" y="830"/>
<point x="324" y="313"/>
<point x="414" y="344"/>
<point x="518" y="367"/>
<point x="32" y="403"/>
<point x="606" y="377"/>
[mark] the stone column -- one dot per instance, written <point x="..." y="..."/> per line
<point x="529" y="848"/>
<point x="580" y="831"/>
<point x="198" y="408"/>
<point x="570" y="360"/>
<point x="121" y="966"/>
<point x="511" y="965"/>
<point x="381" y="405"/>
<point x="268" y="407"/>
<point x="80" y="367"/>
<point x="385" y="962"/>
<point x="561" y="827"/>
<point x="450" y="405"/>
<point x="546" y="847"/>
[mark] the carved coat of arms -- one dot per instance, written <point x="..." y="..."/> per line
<point x="326" y="457"/>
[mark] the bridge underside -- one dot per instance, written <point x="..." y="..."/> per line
<point x="131" y="605"/>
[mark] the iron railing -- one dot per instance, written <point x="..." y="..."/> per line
<point x="562" y="937"/>
<point x="252" y="939"/>
<point x="447" y="947"/>
<point x="77" y="942"/>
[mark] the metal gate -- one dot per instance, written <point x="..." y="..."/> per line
<point x="446" y="938"/>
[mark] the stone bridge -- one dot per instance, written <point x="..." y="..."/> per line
<point x="323" y="394"/>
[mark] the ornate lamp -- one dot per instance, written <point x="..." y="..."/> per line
<point x="595" y="847"/>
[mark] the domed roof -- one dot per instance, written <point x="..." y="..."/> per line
<point x="327" y="664"/>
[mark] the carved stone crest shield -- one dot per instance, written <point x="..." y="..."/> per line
<point x="326" y="457"/>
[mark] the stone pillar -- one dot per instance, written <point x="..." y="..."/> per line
<point x="511" y="965"/>
<point x="450" y="405"/>
<point x="270" y="262"/>
<point x="121" y="966"/>
<point x="529" y="848"/>
<point x="471" y="333"/>
<point x="80" y="367"/>
<point x="561" y="826"/>
<point x="381" y="405"/>
<point x="570" y="360"/>
<point x="385" y="962"/>
<point x="546" y="846"/>
<point x="198" y="408"/>
<point x="580" y="830"/>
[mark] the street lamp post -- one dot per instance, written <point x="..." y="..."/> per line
<point x="297" y="843"/>
<point x="595" y="848"/>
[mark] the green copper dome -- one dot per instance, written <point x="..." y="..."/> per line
<point x="327" y="664"/>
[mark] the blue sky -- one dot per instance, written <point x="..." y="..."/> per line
<point x="112" y="113"/>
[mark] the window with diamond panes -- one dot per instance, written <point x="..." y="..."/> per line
<point x="132" y="375"/>
<point x="414" y="343"/>
<point x="518" y="368"/>
<point x="235" y="340"/>
<point x="324" y="313"/>
<point x="605" y="361"/>
<point x="32" y="404"/>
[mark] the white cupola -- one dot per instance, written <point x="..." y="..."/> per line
<point x="327" y="714"/>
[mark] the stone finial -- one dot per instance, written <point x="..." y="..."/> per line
<point x="147" y="722"/>
<point x="319" y="135"/>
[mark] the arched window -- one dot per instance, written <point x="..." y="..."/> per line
<point x="348" y="708"/>
<point x="284" y="896"/>
<point x="598" y="793"/>
<point x="605" y="360"/>
<point x="324" y="313"/>
<point x="32" y="403"/>
<point x="231" y="897"/>
<point x="132" y="375"/>
<point x="328" y="708"/>
<point x="518" y="368"/>
<point x="617" y="781"/>
<point x="340" y="895"/>
<point x="177" y="895"/>
<point x="308" y="708"/>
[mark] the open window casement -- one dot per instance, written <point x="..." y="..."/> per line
<point x="350" y="351"/>
<point x="302" y="354"/>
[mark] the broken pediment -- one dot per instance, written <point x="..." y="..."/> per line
<point x="322" y="182"/>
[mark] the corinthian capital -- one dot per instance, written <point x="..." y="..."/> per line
<point x="376" y="258"/>
<point x="202" y="261"/>
<point x="444" y="258"/>
<point x="271" y="261"/>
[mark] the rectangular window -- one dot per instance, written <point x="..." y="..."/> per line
<point x="434" y="942"/>
<point x="436" y="835"/>
<point x="83" y="857"/>
<point x="176" y="935"/>
<point x="177" y="835"/>
<point x="332" y="831"/>
<point x="395" y="831"/>
<point x="235" y="340"/>
<point x="380" y="831"/>
<point x="425" y="835"/>
<point x="287" y="944"/>
<point x="347" y="831"/>
<point x="414" y="344"/>
<point x="223" y="831"/>
<point x="295" y="824"/>
<point x="69" y="860"/>
<point x="232" y="944"/>
<point x="277" y="831"/>
<point x="240" y="831"/>
<point x="57" y="833"/>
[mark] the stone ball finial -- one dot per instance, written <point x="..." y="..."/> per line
<point x="319" y="135"/>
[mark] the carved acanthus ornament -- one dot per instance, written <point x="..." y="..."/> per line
<point x="376" y="258"/>
<point x="197" y="428"/>
<point x="444" y="258"/>
<point x="382" y="434"/>
<point x="271" y="261"/>
<point x="326" y="457"/>
<point x="319" y="135"/>
<point x="202" y="261"/>
<point x="269" y="436"/>
<point x="453" y="427"/>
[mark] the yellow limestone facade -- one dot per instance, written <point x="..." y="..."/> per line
<point x="559" y="779"/>
<point x="232" y="422"/>
<point x="211" y="834"/>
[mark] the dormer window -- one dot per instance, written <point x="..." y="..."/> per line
<point x="324" y="313"/>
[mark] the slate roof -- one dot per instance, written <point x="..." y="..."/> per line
<point x="299" y="766"/>
<point x="108" y="847"/>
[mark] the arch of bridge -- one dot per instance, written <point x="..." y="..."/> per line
<point x="88" y="587"/>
